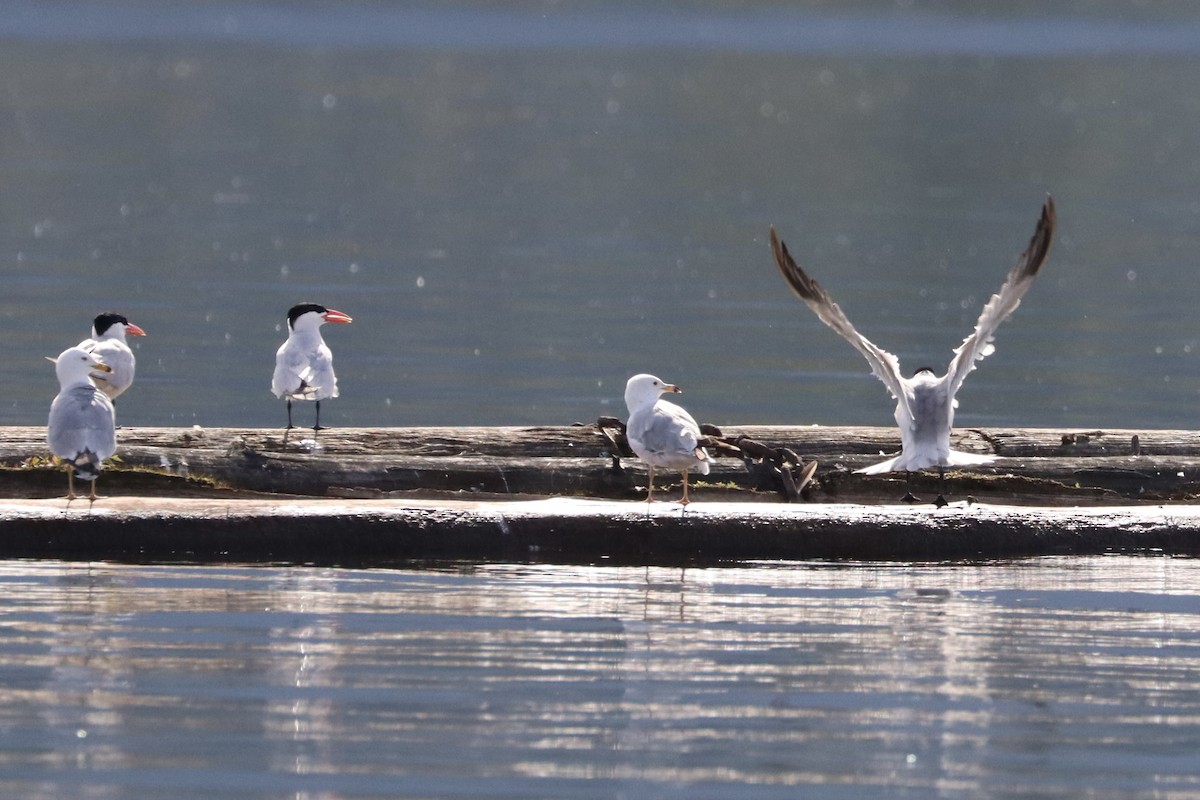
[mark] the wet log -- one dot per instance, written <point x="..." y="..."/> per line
<point x="569" y="530"/>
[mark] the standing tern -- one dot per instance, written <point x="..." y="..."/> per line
<point x="304" y="363"/>
<point x="81" y="429"/>
<point x="109" y="345"/>
<point x="925" y="403"/>
<point x="661" y="433"/>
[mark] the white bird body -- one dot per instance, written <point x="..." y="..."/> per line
<point x="925" y="403"/>
<point x="304" y="368"/>
<point x="925" y="435"/>
<point x="661" y="433"/>
<point x="108" y="343"/>
<point x="304" y="363"/>
<point x="82" y="428"/>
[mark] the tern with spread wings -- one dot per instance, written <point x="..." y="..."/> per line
<point x="925" y="402"/>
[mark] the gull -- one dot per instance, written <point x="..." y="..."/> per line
<point x="108" y="343"/>
<point x="81" y="429"/>
<point x="661" y="433"/>
<point x="925" y="402"/>
<point x="304" y="363"/>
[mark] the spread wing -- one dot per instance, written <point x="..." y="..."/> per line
<point x="978" y="345"/>
<point x="884" y="365"/>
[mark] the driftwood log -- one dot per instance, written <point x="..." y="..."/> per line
<point x="1042" y="466"/>
<point x="375" y="495"/>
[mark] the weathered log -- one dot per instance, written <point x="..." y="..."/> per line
<point x="1042" y="466"/>
<point x="423" y="493"/>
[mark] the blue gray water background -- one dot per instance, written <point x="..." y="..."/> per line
<point x="1050" y="678"/>
<point x="523" y="203"/>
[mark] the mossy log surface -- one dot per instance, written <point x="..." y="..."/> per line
<point x="254" y="494"/>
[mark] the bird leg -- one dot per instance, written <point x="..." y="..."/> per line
<point x="940" y="500"/>
<point x="70" y="483"/>
<point x="92" y="496"/>
<point x="685" y="500"/>
<point x="650" y="483"/>
<point x="909" y="497"/>
<point x="289" y="425"/>
<point x="317" y="424"/>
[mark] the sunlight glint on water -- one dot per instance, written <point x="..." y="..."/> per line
<point x="1060" y="675"/>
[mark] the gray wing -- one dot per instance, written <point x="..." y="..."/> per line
<point x="978" y="345"/>
<point x="81" y="418"/>
<point x="666" y="429"/>
<point x="884" y="365"/>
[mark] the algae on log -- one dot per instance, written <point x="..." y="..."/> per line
<point x="1043" y="466"/>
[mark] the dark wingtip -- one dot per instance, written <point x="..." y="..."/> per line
<point x="1039" y="245"/>
<point x="1049" y="215"/>
<point x="779" y="250"/>
<point x="802" y="285"/>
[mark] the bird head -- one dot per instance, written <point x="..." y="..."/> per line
<point x="643" y="389"/>
<point x="313" y="315"/>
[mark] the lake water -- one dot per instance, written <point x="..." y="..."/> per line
<point x="1049" y="678"/>
<point x="523" y="203"/>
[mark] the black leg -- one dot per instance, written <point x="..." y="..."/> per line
<point x="909" y="497"/>
<point x="290" y="426"/>
<point x="317" y="424"/>
<point x="940" y="500"/>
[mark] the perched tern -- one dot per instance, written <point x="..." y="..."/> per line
<point x="661" y="433"/>
<point x="81" y="429"/>
<point x="925" y="403"/>
<point x="304" y="363"/>
<point x="109" y="345"/>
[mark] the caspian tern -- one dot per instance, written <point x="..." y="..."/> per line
<point x="304" y="363"/>
<point x="925" y="403"/>
<point x="109" y="345"/>
<point x="81" y="429"/>
<point x="661" y="433"/>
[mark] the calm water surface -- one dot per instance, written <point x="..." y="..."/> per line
<point x="523" y="203"/>
<point x="1043" y="678"/>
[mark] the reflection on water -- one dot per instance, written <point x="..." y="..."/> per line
<point x="1047" y="678"/>
<point x="522" y="206"/>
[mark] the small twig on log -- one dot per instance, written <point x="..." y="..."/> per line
<point x="613" y="431"/>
